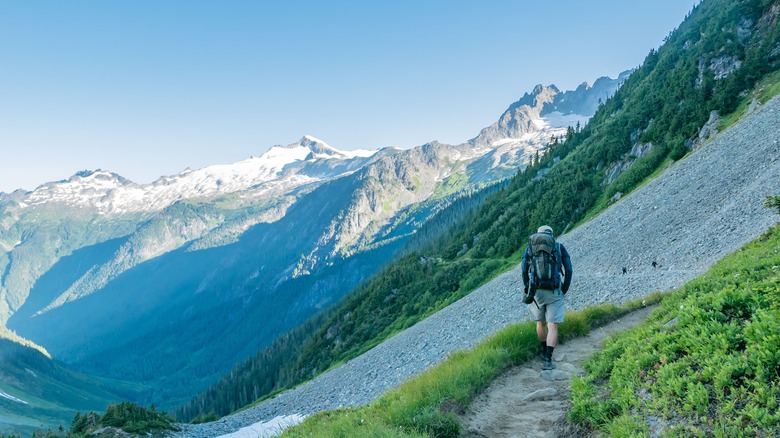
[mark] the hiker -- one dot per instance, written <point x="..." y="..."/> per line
<point x="547" y="306"/>
<point x="654" y="264"/>
<point x="624" y="270"/>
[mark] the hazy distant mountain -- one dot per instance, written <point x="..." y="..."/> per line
<point x="153" y="282"/>
<point x="279" y="170"/>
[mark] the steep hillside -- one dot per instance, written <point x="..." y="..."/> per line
<point x="36" y="391"/>
<point x="710" y="67"/>
<point x="206" y="207"/>
<point x="694" y="229"/>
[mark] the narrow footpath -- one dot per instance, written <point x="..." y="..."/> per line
<point x="528" y="402"/>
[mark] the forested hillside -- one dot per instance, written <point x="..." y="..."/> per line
<point x="722" y="57"/>
<point x="36" y="391"/>
<point x="266" y="371"/>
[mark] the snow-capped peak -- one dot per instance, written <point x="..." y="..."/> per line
<point x="279" y="168"/>
<point x="548" y="108"/>
<point x="314" y="139"/>
<point x="97" y="177"/>
<point x="320" y="149"/>
<point x="279" y="156"/>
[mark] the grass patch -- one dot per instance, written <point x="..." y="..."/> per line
<point x="487" y="270"/>
<point x="427" y="404"/>
<point x="454" y="183"/>
<point x="765" y="90"/>
<point x="705" y="364"/>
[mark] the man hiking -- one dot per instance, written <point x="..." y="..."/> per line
<point x="547" y="271"/>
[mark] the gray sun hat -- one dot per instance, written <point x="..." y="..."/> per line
<point x="545" y="229"/>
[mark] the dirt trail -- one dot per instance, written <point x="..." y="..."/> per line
<point x="528" y="402"/>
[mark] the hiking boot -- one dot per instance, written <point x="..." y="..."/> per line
<point x="547" y="361"/>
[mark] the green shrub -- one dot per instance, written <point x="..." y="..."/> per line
<point x="773" y="202"/>
<point x="129" y="417"/>
<point x="205" y="418"/>
<point x="706" y="361"/>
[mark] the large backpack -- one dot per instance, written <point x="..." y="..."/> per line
<point x="544" y="262"/>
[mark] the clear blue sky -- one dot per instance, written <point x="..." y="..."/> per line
<point x="149" y="88"/>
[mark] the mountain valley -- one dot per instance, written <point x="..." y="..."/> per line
<point x="151" y="284"/>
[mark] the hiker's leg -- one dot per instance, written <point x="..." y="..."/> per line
<point x="554" y="316"/>
<point x="552" y="338"/>
<point x="541" y="331"/>
<point x="552" y="334"/>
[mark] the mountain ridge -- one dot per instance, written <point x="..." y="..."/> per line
<point x="525" y="114"/>
<point x="282" y="170"/>
<point x="318" y="148"/>
<point x="116" y="194"/>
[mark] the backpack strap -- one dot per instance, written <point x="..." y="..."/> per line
<point x="558" y="262"/>
<point x="531" y="268"/>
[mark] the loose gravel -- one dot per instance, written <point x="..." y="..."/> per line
<point x="704" y="207"/>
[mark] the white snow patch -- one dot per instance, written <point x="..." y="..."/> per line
<point x="8" y="247"/>
<point x="362" y="153"/>
<point x="556" y="119"/>
<point x="504" y="141"/>
<point x="12" y="398"/>
<point x="315" y="139"/>
<point x="268" y="428"/>
<point x="315" y="157"/>
<point x="277" y="157"/>
<point x="108" y="194"/>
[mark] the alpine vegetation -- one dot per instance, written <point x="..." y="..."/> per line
<point x="705" y="364"/>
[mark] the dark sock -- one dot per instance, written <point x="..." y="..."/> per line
<point x="544" y="348"/>
<point x="548" y="351"/>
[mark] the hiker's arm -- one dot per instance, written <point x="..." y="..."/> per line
<point x="524" y="268"/>
<point x="567" y="269"/>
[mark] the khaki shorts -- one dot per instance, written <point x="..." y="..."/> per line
<point x="547" y="306"/>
